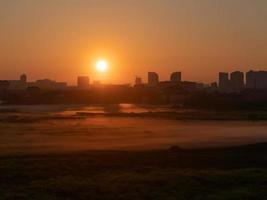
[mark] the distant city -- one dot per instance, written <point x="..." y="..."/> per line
<point x="227" y="83"/>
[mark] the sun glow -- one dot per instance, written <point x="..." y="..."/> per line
<point x="101" y="66"/>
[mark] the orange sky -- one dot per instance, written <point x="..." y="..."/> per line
<point x="61" y="39"/>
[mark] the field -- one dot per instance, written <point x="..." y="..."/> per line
<point x="230" y="173"/>
<point x="53" y="155"/>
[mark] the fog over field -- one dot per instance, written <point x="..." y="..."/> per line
<point x="42" y="129"/>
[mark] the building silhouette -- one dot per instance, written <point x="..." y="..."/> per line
<point x="251" y="80"/>
<point x="23" y="78"/>
<point x="237" y="81"/>
<point x="256" y="80"/>
<point x="48" y="84"/>
<point x="176" y="77"/>
<point x="23" y="84"/>
<point x="83" y="82"/>
<point x="189" y="86"/>
<point x="138" y="80"/>
<point x="153" y="79"/>
<point x="20" y="84"/>
<point x="223" y="81"/>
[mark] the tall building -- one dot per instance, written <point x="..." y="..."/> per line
<point x="237" y="81"/>
<point x="153" y="79"/>
<point x="83" y="82"/>
<point x="251" y="80"/>
<point x="223" y="81"/>
<point x="176" y="77"/>
<point x="256" y="80"/>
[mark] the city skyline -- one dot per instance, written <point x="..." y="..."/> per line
<point x="234" y="81"/>
<point x="64" y="39"/>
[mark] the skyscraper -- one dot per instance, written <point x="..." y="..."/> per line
<point x="83" y="82"/>
<point x="256" y="80"/>
<point x="251" y="80"/>
<point x="237" y="81"/>
<point x="176" y="77"/>
<point x="223" y="81"/>
<point x="153" y="79"/>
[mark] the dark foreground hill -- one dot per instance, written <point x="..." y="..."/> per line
<point x="226" y="173"/>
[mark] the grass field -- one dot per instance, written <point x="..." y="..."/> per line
<point x="226" y="173"/>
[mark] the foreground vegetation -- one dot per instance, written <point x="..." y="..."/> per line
<point x="230" y="173"/>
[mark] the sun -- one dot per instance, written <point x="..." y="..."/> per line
<point x="101" y="66"/>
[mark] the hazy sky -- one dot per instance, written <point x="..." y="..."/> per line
<point x="61" y="39"/>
